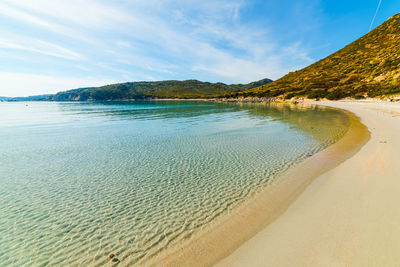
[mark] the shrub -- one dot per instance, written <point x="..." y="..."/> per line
<point x="290" y="95"/>
<point x="336" y="94"/>
<point x="317" y="94"/>
<point x="359" y="96"/>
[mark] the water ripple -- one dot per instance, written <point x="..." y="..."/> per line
<point x="91" y="179"/>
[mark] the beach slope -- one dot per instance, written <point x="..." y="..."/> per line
<point x="350" y="215"/>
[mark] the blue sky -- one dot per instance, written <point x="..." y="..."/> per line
<point x="52" y="45"/>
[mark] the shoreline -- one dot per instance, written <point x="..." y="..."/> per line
<point x="218" y="242"/>
<point x="349" y="215"/>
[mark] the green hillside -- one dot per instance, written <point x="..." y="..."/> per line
<point x="162" y="89"/>
<point x="25" y="98"/>
<point x="370" y="66"/>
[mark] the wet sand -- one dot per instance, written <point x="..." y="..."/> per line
<point x="348" y="216"/>
<point x="253" y="216"/>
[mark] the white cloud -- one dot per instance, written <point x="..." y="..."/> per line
<point x="123" y="44"/>
<point x="42" y="47"/>
<point x="88" y="14"/>
<point x="26" y="84"/>
<point x="149" y="38"/>
<point x="29" y="19"/>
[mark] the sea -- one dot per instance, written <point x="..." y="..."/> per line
<point x="97" y="183"/>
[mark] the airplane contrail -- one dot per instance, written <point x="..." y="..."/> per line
<point x="376" y="12"/>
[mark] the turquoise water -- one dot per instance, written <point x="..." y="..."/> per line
<point x="80" y="181"/>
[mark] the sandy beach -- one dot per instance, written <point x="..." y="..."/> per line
<point x="230" y="232"/>
<point x="349" y="215"/>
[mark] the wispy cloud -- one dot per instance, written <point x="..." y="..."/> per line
<point x="138" y="40"/>
<point x="28" y="18"/>
<point x="42" y="47"/>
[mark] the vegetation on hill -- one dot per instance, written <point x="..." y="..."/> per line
<point x="162" y="89"/>
<point x="25" y="98"/>
<point x="370" y="66"/>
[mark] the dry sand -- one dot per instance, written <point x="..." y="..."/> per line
<point x="350" y="215"/>
<point x="229" y="232"/>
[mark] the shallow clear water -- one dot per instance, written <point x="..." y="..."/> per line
<point x="82" y="180"/>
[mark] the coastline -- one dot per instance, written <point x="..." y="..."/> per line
<point x="349" y="215"/>
<point x="210" y="246"/>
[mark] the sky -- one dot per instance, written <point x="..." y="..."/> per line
<point x="48" y="46"/>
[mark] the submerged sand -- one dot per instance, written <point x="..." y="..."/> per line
<point x="348" y="216"/>
<point x="233" y="230"/>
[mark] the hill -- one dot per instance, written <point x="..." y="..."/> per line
<point x="161" y="89"/>
<point x="370" y="66"/>
<point x="27" y="98"/>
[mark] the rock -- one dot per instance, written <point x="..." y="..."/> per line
<point x="111" y="255"/>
